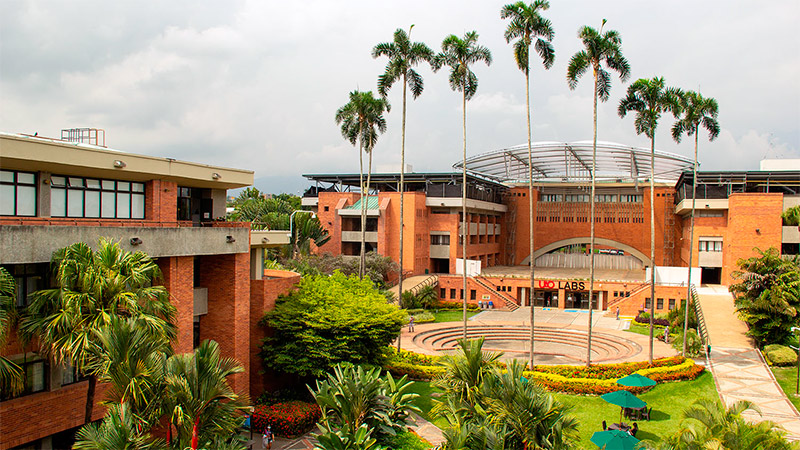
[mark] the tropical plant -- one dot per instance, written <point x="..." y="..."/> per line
<point x="650" y="98"/>
<point x="120" y="429"/>
<point x="458" y="54"/>
<point x="527" y="24"/>
<point x="403" y="56"/>
<point x="465" y="371"/>
<point x="342" y="440"/>
<point x="307" y="228"/>
<point x="93" y="288"/>
<point x="531" y="415"/>
<point x="694" y="111"/>
<point x="599" y="49"/>
<point x="361" y="122"/>
<point x="377" y="270"/>
<point x="11" y="375"/>
<point x="201" y="404"/>
<point x="305" y="322"/>
<point x="690" y="344"/>
<point x="767" y="295"/>
<point x="351" y="397"/>
<point x="708" y="424"/>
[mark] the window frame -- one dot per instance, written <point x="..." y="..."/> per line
<point x="102" y="189"/>
<point x="15" y="183"/>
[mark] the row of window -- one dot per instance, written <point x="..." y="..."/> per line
<point x="648" y="303"/>
<point x="710" y="246"/>
<point x="95" y="198"/>
<point x="36" y="376"/>
<point x="17" y="193"/>
<point x="443" y="294"/>
<point x="440" y="239"/>
<point x="584" y="198"/>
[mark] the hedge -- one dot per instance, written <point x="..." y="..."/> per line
<point x="456" y="305"/>
<point x="291" y="418"/>
<point x="780" y="355"/>
<point x="594" y="380"/>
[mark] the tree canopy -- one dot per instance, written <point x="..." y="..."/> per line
<point x="327" y="320"/>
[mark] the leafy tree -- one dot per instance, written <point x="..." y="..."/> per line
<point x="465" y="371"/>
<point x="11" y="376"/>
<point x="695" y="110"/>
<point x="791" y="217"/>
<point x="94" y="287"/>
<point x="377" y="270"/>
<point x="458" y="54"/>
<point x="767" y="294"/>
<point x="119" y="430"/>
<point x="650" y="98"/>
<point x="527" y="24"/>
<point x="361" y="122"/>
<point x="403" y="55"/>
<point x="327" y="320"/>
<point x="599" y="49"/>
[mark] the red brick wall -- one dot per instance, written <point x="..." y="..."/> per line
<point x="227" y="278"/>
<point x="178" y="279"/>
<point x="161" y="201"/>
<point x="632" y="305"/>
<point x="263" y="294"/>
<point x="35" y="416"/>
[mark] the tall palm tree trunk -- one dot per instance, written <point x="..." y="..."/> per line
<point x="362" y="259"/>
<point x="365" y="203"/>
<point x="402" y="199"/>
<point x="691" y="245"/>
<point x="591" y="223"/>
<point x="464" y="230"/>
<point x="90" y="399"/>
<point x="652" y="241"/>
<point x="531" y="297"/>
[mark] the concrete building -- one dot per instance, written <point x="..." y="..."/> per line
<point x="55" y="192"/>
<point x="740" y="211"/>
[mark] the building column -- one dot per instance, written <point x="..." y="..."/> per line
<point x="177" y="276"/>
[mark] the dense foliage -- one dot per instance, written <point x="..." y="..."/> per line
<point x="354" y="398"/>
<point x="289" y="418"/>
<point x="780" y="355"/>
<point x="378" y="267"/>
<point x="694" y="345"/>
<point x="327" y="320"/>
<point x="791" y="217"/>
<point x="767" y="295"/>
<point x="11" y="375"/>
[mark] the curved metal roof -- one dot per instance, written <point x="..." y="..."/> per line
<point x="572" y="162"/>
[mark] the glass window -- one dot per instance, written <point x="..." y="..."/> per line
<point x="89" y="197"/>
<point x="452" y="293"/>
<point x="659" y="303"/>
<point x="671" y="303"/>
<point x="17" y="193"/>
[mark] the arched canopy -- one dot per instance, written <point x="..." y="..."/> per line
<point x="585" y="240"/>
<point x="572" y="162"/>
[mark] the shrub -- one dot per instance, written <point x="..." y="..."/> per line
<point x="780" y="355"/>
<point x="676" y="316"/>
<point x="791" y="217"/>
<point x="424" y="317"/>
<point x="694" y="345"/>
<point x="284" y="395"/>
<point x="457" y="305"/>
<point x="290" y="418"/>
<point x="644" y="318"/>
<point x="406" y="441"/>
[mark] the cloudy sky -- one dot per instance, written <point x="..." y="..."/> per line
<point x="255" y="84"/>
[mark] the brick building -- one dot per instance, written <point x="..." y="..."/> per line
<point x="55" y="192"/>
<point x="740" y="211"/>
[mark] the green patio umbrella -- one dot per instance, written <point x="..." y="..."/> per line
<point x="636" y="380"/>
<point x="623" y="399"/>
<point x="614" y="440"/>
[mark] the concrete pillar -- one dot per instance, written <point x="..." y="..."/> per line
<point x="43" y="195"/>
<point x="562" y="299"/>
<point x="256" y="263"/>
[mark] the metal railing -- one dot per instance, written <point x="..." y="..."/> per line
<point x="432" y="280"/>
<point x="702" y="327"/>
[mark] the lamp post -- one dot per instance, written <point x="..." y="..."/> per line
<point x="797" y="383"/>
<point x="291" y="227"/>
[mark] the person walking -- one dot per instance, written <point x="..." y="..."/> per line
<point x="411" y="324"/>
<point x="266" y="439"/>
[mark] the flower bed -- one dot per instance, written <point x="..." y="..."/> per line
<point x="456" y="305"/>
<point x="290" y="418"/>
<point x="595" y="380"/>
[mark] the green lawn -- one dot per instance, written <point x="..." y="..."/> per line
<point x="667" y="399"/>
<point x="645" y="329"/>
<point x="452" y="316"/>
<point x="787" y="378"/>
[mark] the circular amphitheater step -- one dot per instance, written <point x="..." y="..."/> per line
<point x="551" y="345"/>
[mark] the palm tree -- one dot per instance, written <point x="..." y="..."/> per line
<point x="119" y="430"/>
<point x="532" y="415"/>
<point x="403" y="56"/>
<point x="694" y="110"/>
<point x="361" y="121"/>
<point x="527" y="24"/>
<point x="650" y="98"/>
<point x="599" y="48"/>
<point x="94" y="287"/>
<point x="11" y="375"/>
<point x="465" y="371"/>
<point x="459" y="54"/>
<point x="203" y="405"/>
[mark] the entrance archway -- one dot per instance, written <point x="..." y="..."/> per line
<point x="585" y="240"/>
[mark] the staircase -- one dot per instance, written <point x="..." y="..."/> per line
<point x="638" y="290"/>
<point x="511" y="304"/>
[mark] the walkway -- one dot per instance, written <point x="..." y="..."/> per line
<point x="739" y="370"/>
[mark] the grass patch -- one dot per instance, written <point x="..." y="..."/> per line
<point x="452" y="316"/>
<point x="406" y="441"/>
<point x="644" y="330"/>
<point x="787" y="378"/>
<point x="667" y="399"/>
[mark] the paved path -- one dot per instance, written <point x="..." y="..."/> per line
<point x="739" y="370"/>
